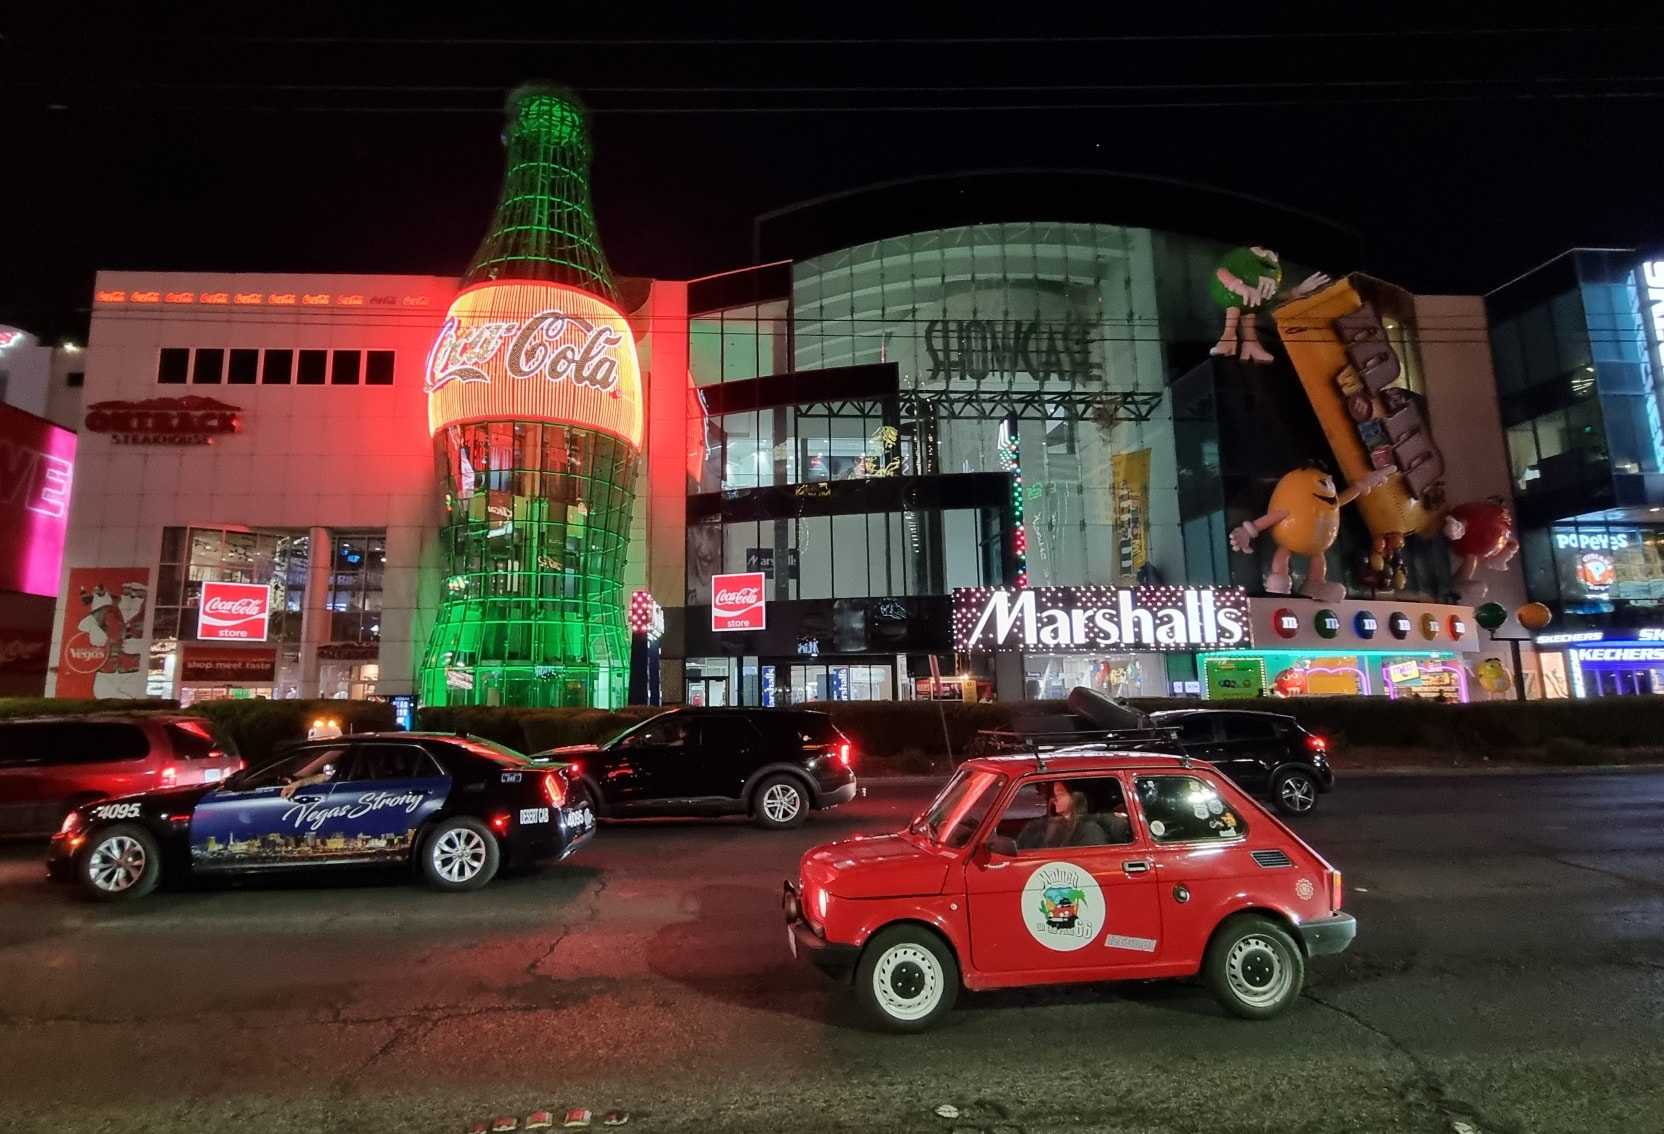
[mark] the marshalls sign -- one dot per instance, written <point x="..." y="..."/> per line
<point x="1082" y="619"/>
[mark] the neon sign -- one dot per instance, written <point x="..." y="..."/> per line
<point x="1075" y="619"/>
<point x="533" y="351"/>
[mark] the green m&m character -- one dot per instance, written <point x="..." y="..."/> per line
<point x="1246" y="280"/>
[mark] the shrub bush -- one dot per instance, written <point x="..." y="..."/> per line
<point x="11" y="707"/>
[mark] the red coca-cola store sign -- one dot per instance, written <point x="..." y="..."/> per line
<point x="737" y="602"/>
<point x="234" y="612"/>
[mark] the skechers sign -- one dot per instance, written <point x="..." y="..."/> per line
<point x="1079" y="619"/>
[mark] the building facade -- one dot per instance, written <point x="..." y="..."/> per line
<point x="1579" y="348"/>
<point x="921" y="404"/>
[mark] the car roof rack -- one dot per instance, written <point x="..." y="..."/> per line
<point x="1013" y="742"/>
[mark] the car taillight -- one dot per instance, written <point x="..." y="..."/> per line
<point x="1316" y="743"/>
<point x="500" y="821"/>
<point x="1334" y="890"/>
<point x="843" y="753"/>
<point x="554" y="789"/>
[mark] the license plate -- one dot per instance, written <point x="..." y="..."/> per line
<point x="581" y="819"/>
<point x="791" y="941"/>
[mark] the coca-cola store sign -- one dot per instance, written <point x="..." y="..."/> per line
<point x="1088" y="619"/>
<point x="234" y="612"/>
<point x="737" y="602"/>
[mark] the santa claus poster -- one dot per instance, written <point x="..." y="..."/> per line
<point x="102" y="639"/>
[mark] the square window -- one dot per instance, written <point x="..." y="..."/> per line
<point x="245" y="365"/>
<point x="280" y="365"/>
<point x="344" y="368"/>
<point x="312" y="366"/>
<point x="210" y="365"/>
<point x="378" y="368"/>
<point x="173" y="364"/>
<point x="77" y="378"/>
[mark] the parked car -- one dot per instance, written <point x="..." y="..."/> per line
<point x="775" y="765"/>
<point x="1081" y="865"/>
<point x="455" y="807"/>
<point x="1268" y="754"/>
<point x="49" y="765"/>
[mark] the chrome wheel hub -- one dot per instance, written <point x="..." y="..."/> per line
<point x="116" y="864"/>
<point x="459" y="854"/>
<point x="781" y="803"/>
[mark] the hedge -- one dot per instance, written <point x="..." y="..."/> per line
<point x="257" y="726"/>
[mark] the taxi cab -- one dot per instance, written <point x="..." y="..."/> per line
<point x="1070" y="866"/>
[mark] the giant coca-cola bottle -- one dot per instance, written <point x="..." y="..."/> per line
<point x="535" y="408"/>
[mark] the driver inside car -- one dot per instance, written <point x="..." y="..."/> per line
<point x="1066" y="823"/>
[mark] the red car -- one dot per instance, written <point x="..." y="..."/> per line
<point x="1075" y="866"/>
<point x="51" y="765"/>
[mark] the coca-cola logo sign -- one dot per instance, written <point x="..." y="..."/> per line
<point x="533" y="351"/>
<point x="236" y="612"/>
<point x="737" y="602"/>
<point x="551" y="345"/>
<point x="190" y="420"/>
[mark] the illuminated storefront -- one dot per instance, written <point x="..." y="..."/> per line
<point x="1616" y="663"/>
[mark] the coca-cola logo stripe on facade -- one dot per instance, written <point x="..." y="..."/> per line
<point x="234" y="612"/>
<point x="737" y="602"/>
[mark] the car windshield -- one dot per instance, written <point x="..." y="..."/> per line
<point x="959" y="810"/>
<point x="629" y="732"/>
<point x="490" y="749"/>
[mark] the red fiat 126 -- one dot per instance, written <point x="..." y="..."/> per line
<point x="1075" y="866"/>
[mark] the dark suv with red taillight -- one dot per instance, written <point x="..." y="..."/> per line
<point x="51" y="765"/>
<point x="1268" y="754"/>
<point x="775" y="765"/>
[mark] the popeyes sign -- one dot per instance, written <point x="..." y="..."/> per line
<point x="534" y="351"/>
<point x="234" y="612"/>
<point x="737" y="602"/>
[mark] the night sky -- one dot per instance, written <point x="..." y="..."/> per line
<point x="1464" y="155"/>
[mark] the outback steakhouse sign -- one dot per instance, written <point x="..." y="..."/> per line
<point x="1080" y="619"/>
<point x="190" y="420"/>
<point x="737" y="602"/>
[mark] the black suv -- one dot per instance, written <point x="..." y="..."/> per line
<point x="773" y="764"/>
<point x="1265" y="753"/>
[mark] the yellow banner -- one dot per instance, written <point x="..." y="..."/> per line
<point x="1131" y="491"/>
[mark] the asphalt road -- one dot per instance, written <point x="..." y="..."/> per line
<point x="1509" y="975"/>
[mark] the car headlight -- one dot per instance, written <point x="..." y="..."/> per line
<point x="72" y="823"/>
<point x="820" y="903"/>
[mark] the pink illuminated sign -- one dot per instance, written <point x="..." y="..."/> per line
<point x="37" y="466"/>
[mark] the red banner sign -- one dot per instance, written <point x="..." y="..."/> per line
<point x="189" y="420"/>
<point x="37" y="464"/>
<point x="737" y="602"/>
<point x="234" y="612"/>
<point x="102" y="636"/>
<point x="223" y="663"/>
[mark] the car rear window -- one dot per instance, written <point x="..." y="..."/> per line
<point x="1249" y="726"/>
<point x="73" y="742"/>
<point x="1186" y="809"/>
<point x="817" y="728"/>
<point x="197" y="740"/>
<point x="488" y="750"/>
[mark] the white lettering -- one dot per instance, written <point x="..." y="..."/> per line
<point x="1085" y="618"/>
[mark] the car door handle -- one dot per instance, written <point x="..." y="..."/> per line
<point x="304" y="798"/>
<point x="1136" y="866"/>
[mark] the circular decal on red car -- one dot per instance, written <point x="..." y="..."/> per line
<point x="1062" y="906"/>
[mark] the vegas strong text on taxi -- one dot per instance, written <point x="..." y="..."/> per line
<point x="535" y="407"/>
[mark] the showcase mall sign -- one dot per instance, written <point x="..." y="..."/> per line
<point x="737" y="602"/>
<point x="1082" y="619"/>
<point x="533" y="351"/>
<point x="189" y="420"/>
<point x="234" y="612"/>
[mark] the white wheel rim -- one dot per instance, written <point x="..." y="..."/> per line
<point x="116" y="864"/>
<point x="459" y="854"/>
<point x="1258" y="975"/>
<point x="781" y="803"/>
<point x="1297" y="793"/>
<point x="908" y="982"/>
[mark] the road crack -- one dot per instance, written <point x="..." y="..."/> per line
<point x="1429" y="1090"/>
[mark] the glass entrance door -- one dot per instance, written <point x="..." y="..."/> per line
<point x="835" y="681"/>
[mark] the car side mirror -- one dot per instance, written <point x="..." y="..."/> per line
<point x="981" y="855"/>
